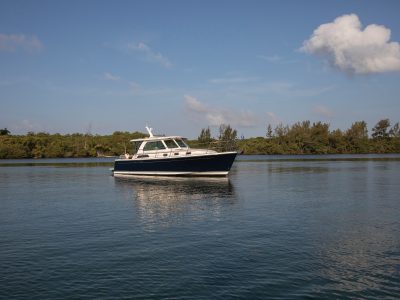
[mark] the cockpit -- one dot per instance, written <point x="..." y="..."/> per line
<point x="160" y="145"/>
<point x="164" y="144"/>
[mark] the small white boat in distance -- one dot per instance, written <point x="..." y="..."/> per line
<point x="171" y="156"/>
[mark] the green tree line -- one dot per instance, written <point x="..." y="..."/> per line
<point x="45" y="145"/>
<point x="314" y="138"/>
<point x="300" y="138"/>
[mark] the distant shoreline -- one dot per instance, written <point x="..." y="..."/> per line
<point x="301" y="138"/>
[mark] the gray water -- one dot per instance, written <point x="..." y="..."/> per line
<point x="278" y="228"/>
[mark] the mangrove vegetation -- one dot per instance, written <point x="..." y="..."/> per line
<point x="300" y="138"/>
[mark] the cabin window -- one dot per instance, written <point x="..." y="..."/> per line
<point x="170" y="144"/>
<point x="181" y="143"/>
<point x="156" y="145"/>
<point x="136" y="146"/>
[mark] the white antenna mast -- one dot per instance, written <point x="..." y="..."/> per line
<point x="150" y="131"/>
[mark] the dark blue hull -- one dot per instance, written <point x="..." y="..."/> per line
<point x="207" y="165"/>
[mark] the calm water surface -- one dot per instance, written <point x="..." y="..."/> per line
<point x="278" y="228"/>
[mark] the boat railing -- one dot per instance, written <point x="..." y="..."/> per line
<point x="223" y="146"/>
<point x="217" y="145"/>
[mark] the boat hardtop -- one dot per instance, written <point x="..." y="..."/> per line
<point x="163" y="147"/>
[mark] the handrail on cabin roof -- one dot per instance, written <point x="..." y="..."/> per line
<point x="157" y="138"/>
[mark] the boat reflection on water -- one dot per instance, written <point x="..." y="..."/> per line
<point x="162" y="201"/>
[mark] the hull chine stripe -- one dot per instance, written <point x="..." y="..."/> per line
<point x="166" y="173"/>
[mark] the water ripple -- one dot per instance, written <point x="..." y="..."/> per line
<point x="277" y="230"/>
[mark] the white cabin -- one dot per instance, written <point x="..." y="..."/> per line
<point x="163" y="147"/>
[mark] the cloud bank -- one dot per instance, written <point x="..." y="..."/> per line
<point x="216" y="116"/>
<point x="151" y="55"/>
<point x="12" y="42"/>
<point x="353" y="50"/>
<point x="273" y="118"/>
<point x="322" y="111"/>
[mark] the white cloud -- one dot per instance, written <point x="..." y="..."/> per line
<point x="273" y="118"/>
<point x="195" y="105"/>
<point x="132" y="85"/>
<point x="150" y="54"/>
<point x="216" y="116"/>
<point x="353" y="50"/>
<point x="111" y="77"/>
<point x="11" y="42"/>
<point x="322" y="111"/>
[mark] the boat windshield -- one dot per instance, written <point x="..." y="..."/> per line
<point x="153" y="145"/>
<point x="171" y="144"/>
<point x="181" y="143"/>
<point x="136" y="146"/>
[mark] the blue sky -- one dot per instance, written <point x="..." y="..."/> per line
<point x="179" y="66"/>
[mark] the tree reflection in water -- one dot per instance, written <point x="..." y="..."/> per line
<point x="163" y="201"/>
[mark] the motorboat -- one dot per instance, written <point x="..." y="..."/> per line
<point x="171" y="156"/>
